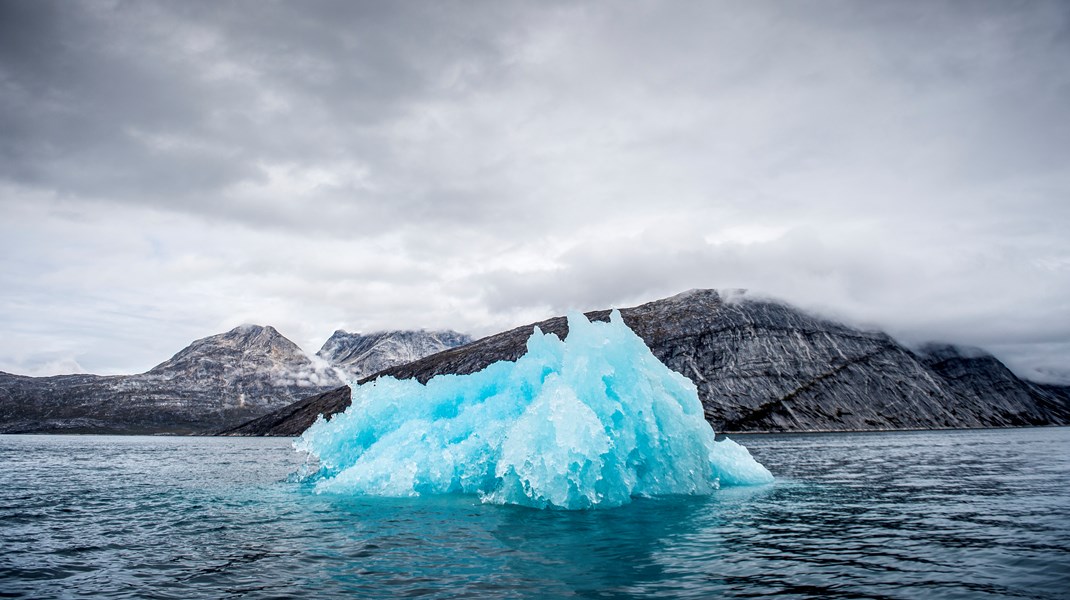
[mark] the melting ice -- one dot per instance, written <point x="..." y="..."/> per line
<point x="591" y="421"/>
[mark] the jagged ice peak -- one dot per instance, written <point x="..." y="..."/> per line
<point x="591" y="421"/>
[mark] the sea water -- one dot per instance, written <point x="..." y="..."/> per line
<point x="950" y="514"/>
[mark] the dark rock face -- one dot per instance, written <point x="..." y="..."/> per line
<point x="294" y="419"/>
<point x="764" y="366"/>
<point x="215" y="382"/>
<point x="979" y="377"/>
<point x="359" y="355"/>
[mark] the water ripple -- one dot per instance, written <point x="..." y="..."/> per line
<point x="970" y="514"/>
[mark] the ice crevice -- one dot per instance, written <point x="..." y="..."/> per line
<point x="590" y="421"/>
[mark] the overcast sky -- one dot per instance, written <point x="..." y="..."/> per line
<point x="171" y="170"/>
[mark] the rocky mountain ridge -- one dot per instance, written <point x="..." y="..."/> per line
<point x="359" y="355"/>
<point x="221" y="379"/>
<point x="761" y="365"/>
<point x="216" y="382"/>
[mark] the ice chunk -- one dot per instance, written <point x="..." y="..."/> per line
<point x="591" y="421"/>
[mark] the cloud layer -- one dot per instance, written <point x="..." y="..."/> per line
<point x="168" y="170"/>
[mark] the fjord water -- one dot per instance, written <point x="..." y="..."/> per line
<point x="951" y="514"/>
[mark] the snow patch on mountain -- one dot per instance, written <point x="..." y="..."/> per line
<point x="355" y="355"/>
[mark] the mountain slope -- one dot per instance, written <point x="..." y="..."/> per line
<point x="975" y="374"/>
<point x="765" y="366"/>
<point x="294" y="419"/>
<point x="358" y="355"/>
<point x="214" y="382"/>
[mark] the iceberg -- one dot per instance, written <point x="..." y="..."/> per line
<point x="591" y="421"/>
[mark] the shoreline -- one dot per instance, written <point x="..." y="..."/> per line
<point x="719" y="434"/>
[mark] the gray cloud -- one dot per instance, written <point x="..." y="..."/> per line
<point x="170" y="169"/>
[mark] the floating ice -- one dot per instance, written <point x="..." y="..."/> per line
<point x="591" y="421"/>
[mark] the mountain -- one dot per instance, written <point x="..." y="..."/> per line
<point x="358" y="356"/>
<point x="293" y="420"/>
<point x="215" y="382"/>
<point x="761" y="365"/>
<point x="978" y="375"/>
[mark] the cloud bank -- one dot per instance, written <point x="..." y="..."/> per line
<point x="169" y="170"/>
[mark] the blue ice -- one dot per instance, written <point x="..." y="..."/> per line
<point x="591" y="421"/>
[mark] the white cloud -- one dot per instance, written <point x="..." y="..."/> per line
<point x="171" y="171"/>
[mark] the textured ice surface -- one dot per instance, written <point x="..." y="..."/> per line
<point x="590" y="421"/>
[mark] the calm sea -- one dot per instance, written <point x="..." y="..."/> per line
<point x="966" y="514"/>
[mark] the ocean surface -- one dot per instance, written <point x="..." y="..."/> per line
<point x="951" y="514"/>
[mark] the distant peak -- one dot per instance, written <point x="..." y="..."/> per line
<point x="341" y="333"/>
<point x="691" y="292"/>
<point x="244" y="338"/>
<point x="707" y="295"/>
<point x="707" y="292"/>
<point x="249" y="328"/>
